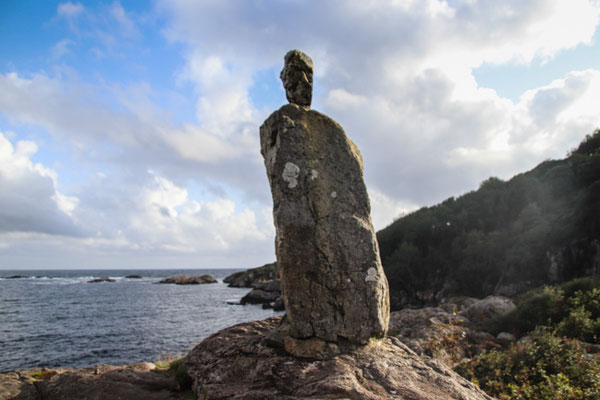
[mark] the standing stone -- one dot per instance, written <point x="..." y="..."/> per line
<point x="333" y="284"/>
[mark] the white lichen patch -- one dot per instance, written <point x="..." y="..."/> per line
<point x="314" y="174"/>
<point x="333" y="194"/>
<point x="371" y="275"/>
<point x="290" y="174"/>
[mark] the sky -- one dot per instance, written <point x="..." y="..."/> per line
<point x="129" y="129"/>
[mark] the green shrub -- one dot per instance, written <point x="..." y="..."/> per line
<point x="586" y="284"/>
<point x="539" y="307"/>
<point x="572" y="309"/>
<point x="541" y="367"/>
<point x="578" y="325"/>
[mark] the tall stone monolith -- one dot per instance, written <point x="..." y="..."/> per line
<point x="333" y="285"/>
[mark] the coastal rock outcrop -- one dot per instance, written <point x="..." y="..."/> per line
<point x="267" y="293"/>
<point x="236" y="363"/>
<point x="333" y="285"/>
<point x="187" y="280"/>
<point x="264" y="281"/>
<point x="136" y="381"/>
<point x="253" y="277"/>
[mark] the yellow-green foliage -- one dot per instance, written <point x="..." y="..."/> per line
<point x="543" y="367"/>
<point x="42" y="374"/>
<point x="177" y="370"/>
<point x="571" y="309"/>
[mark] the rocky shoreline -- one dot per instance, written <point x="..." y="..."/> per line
<point x="135" y="381"/>
<point x="430" y="341"/>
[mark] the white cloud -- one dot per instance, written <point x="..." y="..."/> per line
<point x="160" y="216"/>
<point x="61" y="48"/>
<point x="385" y="209"/>
<point x="126" y="24"/>
<point x="151" y="215"/>
<point x="223" y="106"/>
<point x="69" y="9"/>
<point x="403" y="87"/>
<point x="64" y="108"/>
<point x="30" y="200"/>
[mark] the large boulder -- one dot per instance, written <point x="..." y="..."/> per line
<point x="237" y="363"/>
<point x="488" y="308"/>
<point x="333" y="285"/>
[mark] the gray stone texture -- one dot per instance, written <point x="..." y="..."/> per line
<point x="236" y="363"/>
<point x="333" y="284"/>
<point x="297" y="77"/>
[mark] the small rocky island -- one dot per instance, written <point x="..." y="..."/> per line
<point x="189" y="280"/>
<point x="101" y="280"/>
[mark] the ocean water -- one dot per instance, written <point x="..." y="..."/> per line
<point x="57" y="319"/>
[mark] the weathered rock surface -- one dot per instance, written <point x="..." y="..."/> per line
<point x="187" y="280"/>
<point x="253" y="277"/>
<point x="488" y="308"/>
<point x="257" y="296"/>
<point x="265" y="283"/>
<point x="266" y="292"/>
<point x="133" y="277"/>
<point x="444" y="335"/>
<point x="136" y="381"/>
<point x="278" y="304"/>
<point x="297" y="78"/>
<point x="235" y="363"/>
<point x="100" y="280"/>
<point x="332" y="281"/>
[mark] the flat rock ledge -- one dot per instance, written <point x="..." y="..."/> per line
<point x="237" y="363"/>
<point x="136" y="381"/>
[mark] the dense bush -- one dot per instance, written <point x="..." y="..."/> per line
<point x="538" y="307"/>
<point x="572" y="309"/>
<point x="541" y="367"/>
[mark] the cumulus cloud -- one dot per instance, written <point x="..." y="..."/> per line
<point x="30" y="200"/>
<point x="148" y="215"/>
<point x="152" y="215"/>
<point x="403" y="87"/>
<point x="137" y="137"/>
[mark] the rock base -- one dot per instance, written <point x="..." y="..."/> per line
<point x="136" y="381"/>
<point x="238" y="363"/>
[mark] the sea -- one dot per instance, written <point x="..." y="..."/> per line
<point x="55" y="318"/>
